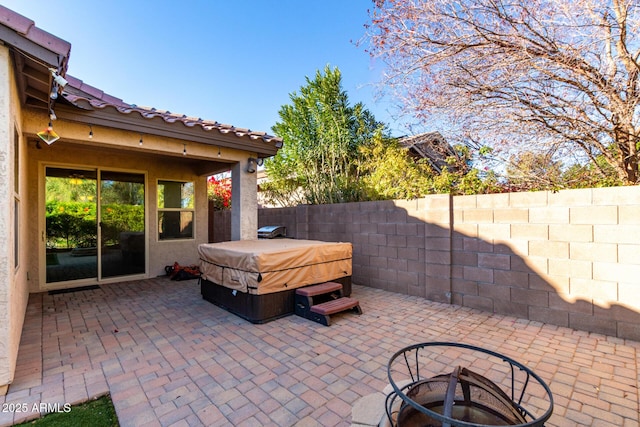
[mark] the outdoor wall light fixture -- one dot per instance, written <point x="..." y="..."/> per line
<point x="252" y="162"/>
<point x="90" y="132"/>
<point x="184" y="150"/>
<point x="218" y="151"/>
<point x="251" y="165"/>
<point x="140" y="142"/>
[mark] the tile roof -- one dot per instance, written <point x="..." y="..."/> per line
<point x="36" y="55"/>
<point x="24" y="32"/>
<point x="88" y="97"/>
<point x="28" y="30"/>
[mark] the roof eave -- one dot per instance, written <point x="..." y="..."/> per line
<point x="262" y="145"/>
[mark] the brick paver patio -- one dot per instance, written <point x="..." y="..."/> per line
<point x="167" y="357"/>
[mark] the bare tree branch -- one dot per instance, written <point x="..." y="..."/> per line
<point x="538" y="73"/>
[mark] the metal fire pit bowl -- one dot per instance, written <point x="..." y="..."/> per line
<point x="459" y="385"/>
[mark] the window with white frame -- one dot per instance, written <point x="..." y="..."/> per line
<point x="176" y="210"/>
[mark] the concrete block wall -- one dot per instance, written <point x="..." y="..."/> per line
<point x="388" y="242"/>
<point x="283" y="216"/>
<point x="570" y="258"/>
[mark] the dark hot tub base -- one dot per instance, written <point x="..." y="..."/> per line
<point x="257" y="308"/>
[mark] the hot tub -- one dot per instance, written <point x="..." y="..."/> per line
<point x="257" y="279"/>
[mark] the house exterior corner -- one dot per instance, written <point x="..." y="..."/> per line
<point x="14" y="289"/>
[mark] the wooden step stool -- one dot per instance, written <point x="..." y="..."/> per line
<point x="319" y="302"/>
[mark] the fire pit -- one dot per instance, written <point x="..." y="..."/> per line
<point x="462" y="396"/>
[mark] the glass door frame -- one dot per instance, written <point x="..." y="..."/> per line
<point x="44" y="285"/>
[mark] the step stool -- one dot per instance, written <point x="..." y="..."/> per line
<point x="319" y="302"/>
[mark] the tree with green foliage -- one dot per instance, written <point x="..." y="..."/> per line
<point x="389" y="173"/>
<point x="335" y="153"/>
<point x="600" y="174"/>
<point x="320" y="161"/>
<point x="71" y="224"/>
<point x="461" y="178"/>
<point x="71" y="211"/>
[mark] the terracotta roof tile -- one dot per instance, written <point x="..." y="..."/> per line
<point x="15" y="21"/>
<point x="95" y="93"/>
<point x="88" y="97"/>
<point x="26" y="27"/>
<point x="50" y="41"/>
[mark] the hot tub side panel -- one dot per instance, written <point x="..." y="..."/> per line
<point x="257" y="308"/>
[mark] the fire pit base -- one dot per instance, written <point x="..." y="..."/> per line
<point x="463" y="397"/>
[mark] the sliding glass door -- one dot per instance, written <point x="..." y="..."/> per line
<point x="95" y="224"/>
<point x="71" y="224"/>
<point x="121" y="223"/>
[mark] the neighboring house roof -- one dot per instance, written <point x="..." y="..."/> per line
<point x="430" y="146"/>
<point x="39" y="56"/>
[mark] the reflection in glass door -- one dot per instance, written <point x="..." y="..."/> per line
<point x="71" y="228"/>
<point x="122" y="234"/>
<point x="76" y="223"/>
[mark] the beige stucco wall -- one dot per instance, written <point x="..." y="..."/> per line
<point x="159" y="158"/>
<point x="14" y="292"/>
<point x="160" y="253"/>
<point x="5" y="226"/>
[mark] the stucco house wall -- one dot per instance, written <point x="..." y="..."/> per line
<point x="99" y="132"/>
<point x="5" y="202"/>
<point x="161" y="253"/>
<point x="13" y="298"/>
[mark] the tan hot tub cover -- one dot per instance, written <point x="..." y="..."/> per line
<point x="264" y="266"/>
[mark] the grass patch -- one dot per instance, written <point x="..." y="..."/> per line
<point x="95" y="413"/>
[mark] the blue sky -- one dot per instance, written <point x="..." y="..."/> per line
<point x="231" y="61"/>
